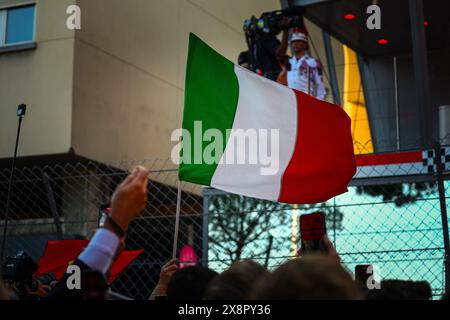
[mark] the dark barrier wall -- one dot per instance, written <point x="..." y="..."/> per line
<point x="377" y="74"/>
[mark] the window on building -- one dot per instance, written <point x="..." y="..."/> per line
<point x="17" y="25"/>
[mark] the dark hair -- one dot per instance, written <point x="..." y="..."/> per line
<point x="189" y="283"/>
<point x="401" y="290"/>
<point x="243" y="58"/>
<point x="236" y="282"/>
<point x="311" y="277"/>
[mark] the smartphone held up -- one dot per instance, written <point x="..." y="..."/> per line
<point x="312" y="230"/>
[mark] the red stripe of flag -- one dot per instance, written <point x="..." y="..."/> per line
<point x="323" y="162"/>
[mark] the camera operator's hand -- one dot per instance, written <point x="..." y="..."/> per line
<point x="4" y="294"/>
<point x="282" y="48"/>
<point x="42" y="290"/>
<point x="130" y="197"/>
<point x="285" y="23"/>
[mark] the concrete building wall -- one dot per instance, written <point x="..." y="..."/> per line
<point x="130" y="65"/>
<point x="42" y="79"/>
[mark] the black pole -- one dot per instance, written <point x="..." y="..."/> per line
<point x="20" y="113"/>
<point x="205" y="228"/>
<point x="53" y="208"/>
<point x="269" y="248"/>
<point x="426" y="111"/>
<point x="397" y="105"/>
<point x="331" y="68"/>
<point x="439" y="169"/>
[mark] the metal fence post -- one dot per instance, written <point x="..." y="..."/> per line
<point x="444" y="217"/>
<point x="421" y="74"/>
<point x="269" y="248"/>
<point x="331" y="68"/>
<point x="205" y="228"/>
<point x="334" y="221"/>
<point x="52" y="204"/>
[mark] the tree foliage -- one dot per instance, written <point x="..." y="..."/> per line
<point x="400" y="193"/>
<point x="240" y="227"/>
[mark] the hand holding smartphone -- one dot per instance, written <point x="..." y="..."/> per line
<point x="312" y="232"/>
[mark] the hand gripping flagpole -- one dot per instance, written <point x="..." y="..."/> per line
<point x="177" y="222"/>
<point x="309" y="79"/>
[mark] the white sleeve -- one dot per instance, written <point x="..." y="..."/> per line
<point x="99" y="253"/>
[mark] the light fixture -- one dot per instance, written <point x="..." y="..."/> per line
<point x="349" y="16"/>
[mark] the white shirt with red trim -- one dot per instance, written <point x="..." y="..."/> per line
<point x="297" y="78"/>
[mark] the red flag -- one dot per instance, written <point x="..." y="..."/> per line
<point x="58" y="255"/>
<point x="122" y="262"/>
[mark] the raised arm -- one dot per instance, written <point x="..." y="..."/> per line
<point x="127" y="203"/>
<point x="282" y="48"/>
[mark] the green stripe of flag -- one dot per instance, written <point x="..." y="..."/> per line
<point x="211" y="96"/>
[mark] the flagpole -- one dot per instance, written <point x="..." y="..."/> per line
<point x="177" y="222"/>
<point x="309" y="80"/>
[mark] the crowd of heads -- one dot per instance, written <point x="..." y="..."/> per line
<point x="313" y="277"/>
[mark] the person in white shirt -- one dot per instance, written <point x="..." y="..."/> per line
<point x="301" y="71"/>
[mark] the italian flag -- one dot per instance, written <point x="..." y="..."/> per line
<point x="315" y="148"/>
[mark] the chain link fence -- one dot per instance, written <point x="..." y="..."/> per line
<point x="391" y="218"/>
<point x="56" y="202"/>
<point x="401" y="242"/>
<point x="392" y="222"/>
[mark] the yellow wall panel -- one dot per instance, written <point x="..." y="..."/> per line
<point x="355" y="105"/>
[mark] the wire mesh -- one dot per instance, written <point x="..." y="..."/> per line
<point x="395" y="225"/>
